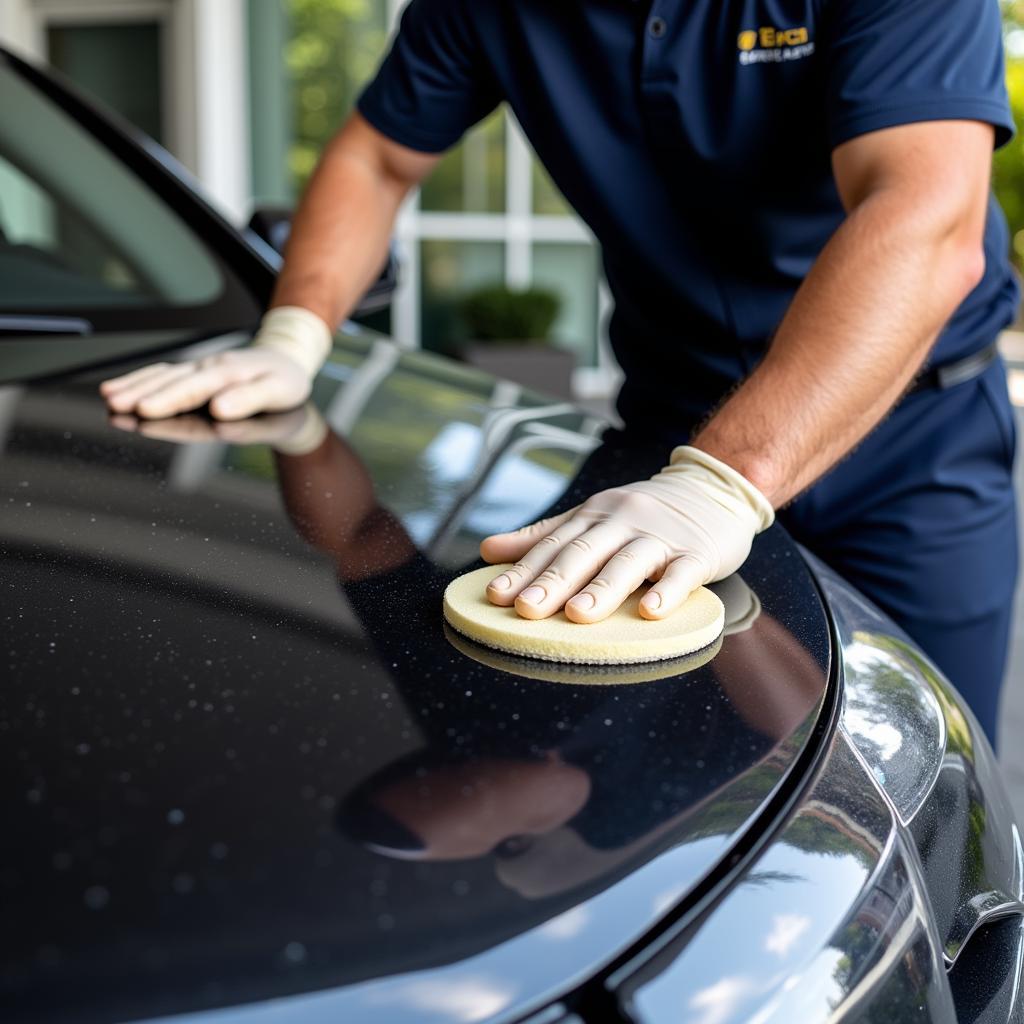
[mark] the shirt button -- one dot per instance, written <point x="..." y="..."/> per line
<point x="657" y="27"/>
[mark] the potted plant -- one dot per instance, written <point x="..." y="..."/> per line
<point x="509" y="332"/>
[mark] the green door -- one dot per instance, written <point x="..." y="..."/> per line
<point x="118" y="64"/>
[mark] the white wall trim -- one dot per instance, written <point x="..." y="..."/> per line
<point x="16" y="32"/>
<point x="99" y="10"/>
<point x="43" y="13"/>
<point x="179" y="60"/>
<point x="497" y="227"/>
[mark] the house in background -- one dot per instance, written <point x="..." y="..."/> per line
<point x="245" y="92"/>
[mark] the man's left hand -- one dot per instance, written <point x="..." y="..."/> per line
<point x="692" y="523"/>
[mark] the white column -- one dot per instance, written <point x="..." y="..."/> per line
<point x="518" y="205"/>
<point x="214" y="34"/>
<point x="405" y="307"/>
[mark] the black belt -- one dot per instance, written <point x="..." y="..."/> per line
<point x="938" y="378"/>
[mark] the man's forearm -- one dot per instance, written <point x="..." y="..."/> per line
<point x="853" y="339"/>
<point x="340" y="233"/>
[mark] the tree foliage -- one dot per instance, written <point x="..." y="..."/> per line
<point x="333" y="49"/>
<point x="1008" y="166"/>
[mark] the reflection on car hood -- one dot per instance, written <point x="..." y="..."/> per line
<point x="242" y="759"/>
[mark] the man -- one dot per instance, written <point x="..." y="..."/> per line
<point x="792" y="198"/>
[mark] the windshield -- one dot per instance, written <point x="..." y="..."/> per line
<point x="82" y="236"/>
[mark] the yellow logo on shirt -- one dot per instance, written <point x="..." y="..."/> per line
<point x="770" y="45"/>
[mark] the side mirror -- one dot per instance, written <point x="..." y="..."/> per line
<point x="274" y="223"/>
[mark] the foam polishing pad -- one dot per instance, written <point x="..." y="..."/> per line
<point x="581" y="675"/>
<point x="624" y="638"/>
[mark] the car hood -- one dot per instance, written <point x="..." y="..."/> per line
<point x="244" y="759"/>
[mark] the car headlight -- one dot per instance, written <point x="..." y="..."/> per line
<point x="896" y="858"/>
<point x="931" y="759"/>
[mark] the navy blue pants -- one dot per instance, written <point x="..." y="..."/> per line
<point x="921" y="518"/>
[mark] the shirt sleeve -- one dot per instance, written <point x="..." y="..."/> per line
<point x="435" y="83"/>
<point x="894" y="62"/>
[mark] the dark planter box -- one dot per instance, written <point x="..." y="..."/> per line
<point x="539" y="367"/>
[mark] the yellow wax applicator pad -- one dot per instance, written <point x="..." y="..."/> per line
<point x="580" y="675"/>
<point x="624" y="638"/>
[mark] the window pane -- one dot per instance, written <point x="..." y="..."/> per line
<point x="571" y="270"/>
<point x="118" y="64"/>
<point x="471" y="178"/>
<point x="450" y="269"/>
<point x="334" y="48"/>
<point x="52" y="255"/>
<point x="546" y="197"/>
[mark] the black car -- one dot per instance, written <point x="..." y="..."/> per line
<point x="249" y="775"/>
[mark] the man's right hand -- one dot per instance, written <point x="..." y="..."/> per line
<point x="273" y="374"/>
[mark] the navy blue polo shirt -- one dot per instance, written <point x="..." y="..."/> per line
<point x="695" y="139"/>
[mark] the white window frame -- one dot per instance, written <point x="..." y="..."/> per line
<point x="518" y="229"/>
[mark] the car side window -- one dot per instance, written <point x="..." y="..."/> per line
<point x="86" y="233"/>
<point x="52" y="256"/>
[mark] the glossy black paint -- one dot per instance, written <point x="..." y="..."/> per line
<point x="986" y="982"/>
<point x="242" y="760"/>
<point x="194" y="695"/>
<point x="832" y="919"/>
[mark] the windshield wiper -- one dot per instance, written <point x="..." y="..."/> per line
<point x="44" y="325"/>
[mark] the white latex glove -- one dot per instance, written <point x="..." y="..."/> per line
<point x="272" y="374"/>
<point x="692" y="523"/>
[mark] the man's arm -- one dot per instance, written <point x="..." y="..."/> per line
<point x="336" y="248"/>
<point x="861" y="325"/>
<point x="341" y="229"/>
<point x="856" y="333"/>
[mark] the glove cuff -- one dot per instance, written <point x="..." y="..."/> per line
<point x="730" y="488"/>
<point x="298" y="333"/>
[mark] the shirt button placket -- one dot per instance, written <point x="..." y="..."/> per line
<point x="656" y="83"/>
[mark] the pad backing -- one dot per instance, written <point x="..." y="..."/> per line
<point x="624" y="638"/>
<point x="579" y="674"/>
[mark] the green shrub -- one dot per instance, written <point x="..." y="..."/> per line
<point x="498" y="313"/>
